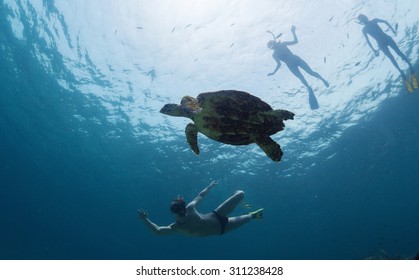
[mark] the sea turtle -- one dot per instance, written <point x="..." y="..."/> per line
<point x="231" y="117"/>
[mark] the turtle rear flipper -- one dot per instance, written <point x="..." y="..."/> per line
<point x="270" y="147"/>
<point x="281" y="114"/>
<point x="192" y="137"/>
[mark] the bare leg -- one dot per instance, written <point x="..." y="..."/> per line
<point x="387" y="52"/>
<point x="307" y="68"/>
<point x="311" y="97"/>
<point x="399" y="53"/>
<point x="235" y="222"/>
<point x="230" y="204"/>
<point x="297" y="73"/>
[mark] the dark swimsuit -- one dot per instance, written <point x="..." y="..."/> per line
<point x="222" y="220"/>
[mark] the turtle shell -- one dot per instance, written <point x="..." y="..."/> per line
<point x="234" y="117"/>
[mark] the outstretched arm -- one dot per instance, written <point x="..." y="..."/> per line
<point x="388" y="24"/>
<point x="278" y="65"/>
<point x="155" y="228"/>
<point x="368" y="41"/>
<point x="295" y="40"/>
<point x="202" y="194"/>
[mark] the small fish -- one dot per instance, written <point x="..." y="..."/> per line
<point x="139" y="27"/>
<point x="173" y="30"/>
<point x="187" y="26"/>
<point x="359" y="62"/>
<point x="152" y="74"/>
<point x="324" y="59"/>
<point x="331" y="18"/>
<point x="231" y="45"/>
<point x="247" y="206"/>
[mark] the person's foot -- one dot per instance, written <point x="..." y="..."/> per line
<point x="258" y="214"/>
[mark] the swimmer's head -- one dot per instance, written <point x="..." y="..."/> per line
<point x="271" y="44"/>
<point x="362" y="19"/>
<point x="178" y="206"/>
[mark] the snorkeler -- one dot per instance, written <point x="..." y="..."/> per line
<point x="190" y="222"/>
<point x="384" y="41"/>
<point x="282" y="53"/>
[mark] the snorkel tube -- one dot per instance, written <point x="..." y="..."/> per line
<point x="273" y="35"/>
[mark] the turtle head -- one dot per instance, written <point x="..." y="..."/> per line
<point x="174" y="110"/>
<point x="190" y="106"/>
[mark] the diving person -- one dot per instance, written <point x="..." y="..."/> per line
<point x="191" y="222"/>
<point x="384" y="41"/>
<point x="282" y="53"/>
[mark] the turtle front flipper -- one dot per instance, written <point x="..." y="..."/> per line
<point x="192" y="137"/>
<point x="270" y="147"/>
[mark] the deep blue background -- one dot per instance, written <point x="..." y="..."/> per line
<point x="70" y="192"/>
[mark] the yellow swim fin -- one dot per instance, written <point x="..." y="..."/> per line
<point x="414" y="81"/>
<point x="408" y="86"/>
<point x="258" y="214"/>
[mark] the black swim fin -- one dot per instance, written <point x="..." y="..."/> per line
<point x="313" y="101"/>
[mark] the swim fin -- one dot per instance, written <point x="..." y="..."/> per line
<point x="408" y="86"/>
<point x="258" y="214"/>
<point x="312" y="100"/>
<point x="414" y="81"/>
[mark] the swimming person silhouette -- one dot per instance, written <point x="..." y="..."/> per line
<point x="384" y="41"/>
<point x="294" y="62"/>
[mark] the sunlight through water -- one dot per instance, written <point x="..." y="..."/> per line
<point x="135" y="56"/>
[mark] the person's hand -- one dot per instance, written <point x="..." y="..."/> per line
<point x="293" y="28"/>
<point x="142" y="214"/>
<point x="270" y="74"/>
<point x="213" y="183"/>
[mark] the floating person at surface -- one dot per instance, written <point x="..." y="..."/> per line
<point x="190" y="222"/>
<point x="282" y="53"/>
<point x="384" y="41"/>
<point x="231" y="117"/>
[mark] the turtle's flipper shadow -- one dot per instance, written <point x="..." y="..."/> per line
<point x="270" y="147"/>
<point x="192" y="137"/>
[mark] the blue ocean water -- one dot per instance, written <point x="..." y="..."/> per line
<point x="83" y="146"/>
